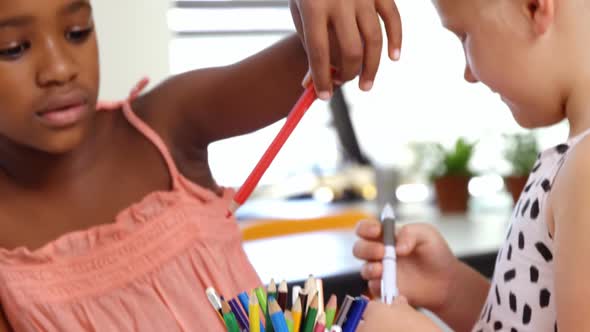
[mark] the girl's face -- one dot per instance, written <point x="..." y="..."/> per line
<point x="503" y="51"/>
<point x="49" y="73"/>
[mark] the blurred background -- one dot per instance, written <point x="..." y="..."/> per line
<point x="343" y="150"/>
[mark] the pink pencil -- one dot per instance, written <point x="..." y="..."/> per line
<point x="320" y="325"/>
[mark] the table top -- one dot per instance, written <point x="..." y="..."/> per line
<point x="329" y="253"/>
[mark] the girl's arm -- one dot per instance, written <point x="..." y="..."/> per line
<point x="571" y="214"/>
<point x="202" y="106"/>
<point x="468" y="294"/>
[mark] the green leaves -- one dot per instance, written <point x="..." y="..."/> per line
<point x="455" y="161"/>
<point x="521" y="152"/>
<point x="436" y="161"/>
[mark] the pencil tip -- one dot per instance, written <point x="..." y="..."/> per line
<point x="253" y="298"/>
<point x="333" y="301"/>
<point x="314" y="302"/>
<point x="297" y="305"/>
<point x="283" y="287"/>
<point x="387" y="212"/>
<point x="225" y="307"/>
<point x="273" y="306"/>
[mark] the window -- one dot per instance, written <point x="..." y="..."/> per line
<point x="215" y="33"/>
<point x="423" y="97"/>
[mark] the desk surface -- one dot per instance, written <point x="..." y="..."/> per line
<point x="329" y="253"/>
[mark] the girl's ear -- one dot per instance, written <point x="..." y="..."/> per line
<point x="541" y="14"/>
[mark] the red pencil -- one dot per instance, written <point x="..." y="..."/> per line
<point x="307" y="98"/>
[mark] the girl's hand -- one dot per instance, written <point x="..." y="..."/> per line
<point x="346" y="35"/>
<point x="396" y="317"/>
<point x="426" y="267"/>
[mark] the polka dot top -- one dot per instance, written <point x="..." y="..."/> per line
<point x="521" y="296"/>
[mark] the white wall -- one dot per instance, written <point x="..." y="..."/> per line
<point x="133" y="41"/>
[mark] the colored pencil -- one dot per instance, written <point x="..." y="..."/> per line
<point x="245" y="302"/>
<point x="289" y="320"/>
<point x="261" y="295"/>
<point x="297" y="112"/>
<point x="320" y="290"/>
<point x="355" y="314"/>
<point x="254" y="314"/>
<point x="320" y="326"/>
<point x="311" y="315"/>
<point x="269" y="324"/>
<point x="295" y="294"/>
<point x="303" y="298"/>
<point x="230" y="319"/>
<point x="283" y="295"/>
<point x="331" y="311"/>
<point x="343" y="312"/>
<point x="272" y="289"/>
<point x="214" y="300"/>
<point x="271" y="292"/>
<point x="296" y="311"/>
<point x="276" y="316"/>
<point x="239" y="313"/>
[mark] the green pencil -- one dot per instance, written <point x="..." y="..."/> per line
<point x="261" y="295"/>
<point x="312" y="313"/>
<point x="229" y="318"/>
<point x="289" y="320"/>
<point x="272" y="289"/>
<point x="331" y="311"/>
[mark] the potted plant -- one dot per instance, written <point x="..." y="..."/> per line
<point x="521" y="153"/>
<point x="449" y="171"/>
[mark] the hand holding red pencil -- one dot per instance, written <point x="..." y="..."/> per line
<point x="346" y="35"/>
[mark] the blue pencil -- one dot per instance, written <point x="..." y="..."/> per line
<point x="244" y="300"/>
<point x="277" y="317"/>
<point x="355" y="314"/>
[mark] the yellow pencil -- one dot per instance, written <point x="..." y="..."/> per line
<point x="296" y="312"/>
<point x="254" y="313"/>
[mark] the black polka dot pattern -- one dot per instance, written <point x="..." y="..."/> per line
<point x="520" y="240"/>
<point x="562" y="148"/>
<point x="526" y="314"/>
<point x="535" y="209"/>
<point x="525" y="207"/>
<point x="544" y="251"/>
<point x="522" y="294"/>
<point x="534" y="274"/>
<point x="497" y="325"/>
<point x="513" y="304"/>
<point x="509" y="275"/>
<point x="546" y="185"/>
<point x="544" y="298"/>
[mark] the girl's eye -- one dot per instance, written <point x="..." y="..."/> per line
<point x="79" y="35"/>
<point x="15" y="52"/>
